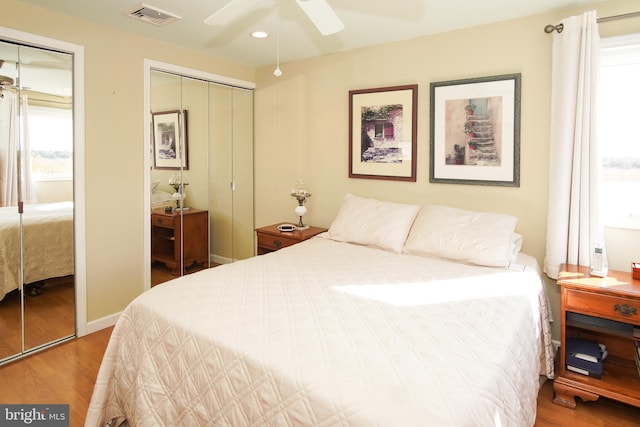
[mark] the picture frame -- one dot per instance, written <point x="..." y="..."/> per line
<point x="475" y="131"/>
<point x="170" y="142"/>
<point x="383" y="133"/>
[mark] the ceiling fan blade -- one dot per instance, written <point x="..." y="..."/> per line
<point x="322" y="15"/>
<point x="229" y="12"/>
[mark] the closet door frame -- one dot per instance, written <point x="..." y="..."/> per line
<point x="153" y="65"/>
<point x="77" y="51"/>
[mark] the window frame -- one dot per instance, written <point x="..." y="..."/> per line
<point x="608" y="48"/>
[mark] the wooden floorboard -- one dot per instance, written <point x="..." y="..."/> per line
<point x="63" y="374"/>
<point x="601" y="413"/>
<point x="48" y="316"/>
<point x="66" y="374"/>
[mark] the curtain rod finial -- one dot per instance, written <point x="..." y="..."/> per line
<point x="551" y="28"/>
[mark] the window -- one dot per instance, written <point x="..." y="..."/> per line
<point x="51" y="143"/>
<point x="618" y="140"/>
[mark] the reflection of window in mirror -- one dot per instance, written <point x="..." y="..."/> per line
<point x="38" y="137"/>
<point x="51" y="143"/>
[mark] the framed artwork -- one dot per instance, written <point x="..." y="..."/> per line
<point x="382" y="133"/>
<point x="475" y="131"/>
<point x="170" y="144"/>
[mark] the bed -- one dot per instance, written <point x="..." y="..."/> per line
<point x="47" y="244"/>
<point x="347" y="328"/>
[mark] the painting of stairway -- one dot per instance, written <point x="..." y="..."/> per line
<point x="481" y="139"/>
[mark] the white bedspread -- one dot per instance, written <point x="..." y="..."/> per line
<point x="47" y="244"/>
<point x="326" y="333"/>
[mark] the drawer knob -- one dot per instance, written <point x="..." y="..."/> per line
<point x="277" y="243"/>
<point x="625" y="309"/>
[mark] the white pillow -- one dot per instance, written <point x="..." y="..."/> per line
<point x="480" y="238"/>
<point x="516" y="247"/>
<point x="373" y="222"/>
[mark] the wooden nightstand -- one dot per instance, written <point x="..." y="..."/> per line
<point x="605" y="310"/>
<point x="271" y="239"/>
<point x="168" y="229"/>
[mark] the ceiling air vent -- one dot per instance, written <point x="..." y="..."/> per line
<point x="152" y="15"/>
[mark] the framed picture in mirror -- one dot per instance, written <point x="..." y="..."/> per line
<point x="170" y="143"/>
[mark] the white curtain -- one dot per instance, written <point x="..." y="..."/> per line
<point x="9" y="153"/>
<point x="573" y="223"/>
<point x="28" y="185"/>
<point x="8" y="147"/>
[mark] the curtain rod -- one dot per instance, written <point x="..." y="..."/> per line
<point x="551" y="28"/>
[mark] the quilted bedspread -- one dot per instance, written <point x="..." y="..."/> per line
<point x="325" y="333"/>
<point x="47" y="241"/>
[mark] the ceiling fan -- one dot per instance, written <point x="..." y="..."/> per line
<point x="319" y="12"/>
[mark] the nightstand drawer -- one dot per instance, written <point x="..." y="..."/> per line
<point x="275" y="242"/>
<point x="610" y="307"/>
<point x="162" y="221"/>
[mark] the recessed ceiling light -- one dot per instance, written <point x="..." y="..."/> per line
<point x="260" y="34"/>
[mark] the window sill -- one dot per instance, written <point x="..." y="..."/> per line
<point x="53" y="178"/>
<point x="629" y="223"/>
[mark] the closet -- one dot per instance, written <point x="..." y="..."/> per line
<point x="37" y="260"/>
<point x="201" y="173"/>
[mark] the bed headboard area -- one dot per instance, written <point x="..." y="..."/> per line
<point x="479" y="238"/>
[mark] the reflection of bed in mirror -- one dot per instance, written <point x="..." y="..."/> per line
<point x="160" y="198"/>
<point x="47" y="242"/>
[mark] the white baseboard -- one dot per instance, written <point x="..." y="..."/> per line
<point x="104" y="322"/>
<point x="220" y="259"/>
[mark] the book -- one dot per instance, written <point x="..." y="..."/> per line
<point x="585" y="349"/>
<point x="585" y="356"/>
<point x="637" y="356"/>
<point x="585" y="367"/>
<point x="584" y="371"/>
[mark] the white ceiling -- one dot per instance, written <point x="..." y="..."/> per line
<point x="367" y="23"/>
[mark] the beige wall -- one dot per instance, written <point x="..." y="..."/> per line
<point x="114" y="143"/>
<point x="301" y="130"/>
<point x="302" y="123"/>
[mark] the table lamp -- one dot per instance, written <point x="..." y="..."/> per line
<point x="300" y="192"/>
<point x="178" y="183"/>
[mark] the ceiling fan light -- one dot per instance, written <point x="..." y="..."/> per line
<point x="259" y="34"/>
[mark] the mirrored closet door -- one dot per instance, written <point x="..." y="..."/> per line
<point x="201" y="174"/>
<point x="179" y="176"/>
<point x="37" y="289"/>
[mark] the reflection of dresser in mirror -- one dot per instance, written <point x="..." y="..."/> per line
<point x="180" y="236"/>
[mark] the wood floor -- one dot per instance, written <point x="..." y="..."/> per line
<point x="160" y="273"/>
<point x="66" y="373"/>
<point x="63" y="374"/>
<point x="47" y="316"/>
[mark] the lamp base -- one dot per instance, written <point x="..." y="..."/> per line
<point x="300" y="225"/>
